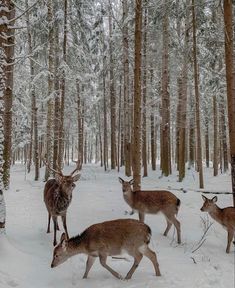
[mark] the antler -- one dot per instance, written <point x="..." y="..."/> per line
<point x="49" y="167"/>
<point x="78" y="167"/>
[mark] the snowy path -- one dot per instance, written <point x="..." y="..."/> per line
<point x="26" y="254"/>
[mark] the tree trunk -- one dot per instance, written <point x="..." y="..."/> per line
<point x="223" y="134"/>
<point x="127" y="108"/>
<point x="136" y="156"/>
<point x="8" y="96"/>
<point x="228" y="23"/>
<point x="215" y="158"/>
<point x="57" y="100"/>
<point x="3" y="32"/>
<point x="197" y="101"/>
<point x="33" y="149"/>
<point x="165" y="125"/>
<point x="112" y="93"/>
<point x="144" y="120"/>
<point x="62" y="102"/>
<point x="207" y="142"/>
<point x="153" y="135"/>
<point x="80" y="125"/>
<point x="49" y="133"/>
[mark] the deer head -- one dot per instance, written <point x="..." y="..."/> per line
<point x="209" y="204"/>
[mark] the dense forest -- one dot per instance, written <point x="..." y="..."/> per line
<point x="134" y="100"/>
<point x="120" y="83"/>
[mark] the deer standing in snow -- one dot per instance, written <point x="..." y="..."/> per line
<point x="108" y="239"/>
<point x="224" y="216"/>
<point x="58" y="196"/>
<point x="153" y="202"/>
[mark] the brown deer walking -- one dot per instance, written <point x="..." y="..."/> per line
<point x="224" y="216"/>
<point x="58" y="196"/>
<point x="153" y="202"/>
<point x="109" y="238"/>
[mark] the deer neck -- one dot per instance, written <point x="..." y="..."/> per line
<point x="75" y="246"/>
<point x="128" y="196"/>
<point x="216" y="213"/>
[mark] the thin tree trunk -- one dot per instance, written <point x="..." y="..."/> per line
<point x="144" y="120"/>
<point x="215" y="158"/>
<point x="127" y="108"/>
<point x="207" y="144"/>
<point x="228" y="23"/>
<point x="62" y="102"/>
<point x="165" y="126"/>
<point x="223" y="134"/>
<point x="136" y="156"/>
<point x="152" y="126"/>
<point x="80" y="124"/>
<point x="34" y="121"/>
<point x="197" y="101"/>
<point x="57" y="100"/>
<point x="3" y="32"/>
<point x="112" y="93"/>
<point x="49" y="133"/>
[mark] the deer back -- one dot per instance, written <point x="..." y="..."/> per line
<point x="112" y="237"/>
<point x="155" y="201"/>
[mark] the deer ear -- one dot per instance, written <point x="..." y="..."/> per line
<point x="214" y="199"/>
<point x="63" y="237"/>
<point x="121" y="180"/>
<point x="76" y="177"/>
<point x="204" y="198"/>
<point x="131" y="182"/>
<point x="63" y="241"/>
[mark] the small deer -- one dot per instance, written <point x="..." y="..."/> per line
<point x="224" y="216"/>
<point x="58" y="196"/>
<point x="153" y="202"/>
<point x="109" y="238"/>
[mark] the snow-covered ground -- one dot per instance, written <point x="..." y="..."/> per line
<point x="26" y="252"/>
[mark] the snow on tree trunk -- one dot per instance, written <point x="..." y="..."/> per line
<point x="3" y="31"/>
<point x="8" y="96"/>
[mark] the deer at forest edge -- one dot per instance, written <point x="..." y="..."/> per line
<point x="224" y="216"/>
<point x="58" y="196"/>
<point x="153" y="202"/>
<point x="109" y="238"/>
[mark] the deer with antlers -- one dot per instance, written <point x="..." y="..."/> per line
<point x="58" y="196"/>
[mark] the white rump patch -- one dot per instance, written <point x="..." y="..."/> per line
<point x="142" y="249"/>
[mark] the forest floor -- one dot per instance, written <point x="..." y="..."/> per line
<point x="26" y="251"/>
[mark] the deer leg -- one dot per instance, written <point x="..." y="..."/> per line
<point x="65" y="225"/>
<point x="141" y="216"/>
<point x="177" y="226"/>
<point x="103" y="259"/>
<point x="153" y="258"/>
<point x="49" y="223"/>
<point x="138" y="257"/>
<point x="55" y="225"/>
<point x="90" y="261"/>
<point x="230" y="238"/>
<point x="168" y="227"/>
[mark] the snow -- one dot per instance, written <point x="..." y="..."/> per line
<point x="26" y="250"/>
